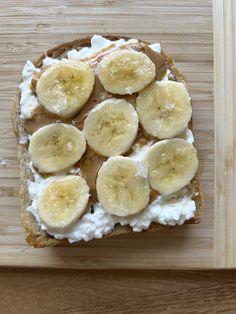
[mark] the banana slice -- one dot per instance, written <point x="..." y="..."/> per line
<point x="122" y="187"/>
<point x="62" y="202"/>
<point x="125" y="72"/>
<point x="164" y="109"/>
<point x="111" y="127"/>
<point x="56" y="147"/>
<point x="171" y="165"/>
<point x="65" y="87"/>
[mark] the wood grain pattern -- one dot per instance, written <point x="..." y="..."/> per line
<point x="119" y="292"/>
<point x="225" y="133"/>
<point x="184" y="28"/>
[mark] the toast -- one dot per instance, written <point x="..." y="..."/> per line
<point x="34" y="235"/>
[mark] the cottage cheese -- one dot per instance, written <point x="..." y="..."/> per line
<point x="166" y="211"/>
<point x="28" y="101"/>
<point x="98" y="43"/>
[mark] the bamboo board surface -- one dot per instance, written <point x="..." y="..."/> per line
<point x="185" y="31"/>
<point x="225" y="132"/>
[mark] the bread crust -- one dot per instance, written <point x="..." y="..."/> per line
<point x="34" y="235"/>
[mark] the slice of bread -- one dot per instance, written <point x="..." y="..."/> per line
<point x="34" y="235"/>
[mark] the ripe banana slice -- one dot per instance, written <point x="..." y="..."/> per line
<point x="125" y="72"/>
<point x="122" y="187"/>
<point x="56" y="147"/>
<point x="164" y="109"/>
<point x="111" y="127"/>
<point x="171" y="165"/>
<point x="63" y="201"/>
<point x="65" y="87"/>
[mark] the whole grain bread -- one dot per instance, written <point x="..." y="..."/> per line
<point x="34" y="235"/>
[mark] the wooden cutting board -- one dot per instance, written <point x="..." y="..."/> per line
<point x="185" y="30"/>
